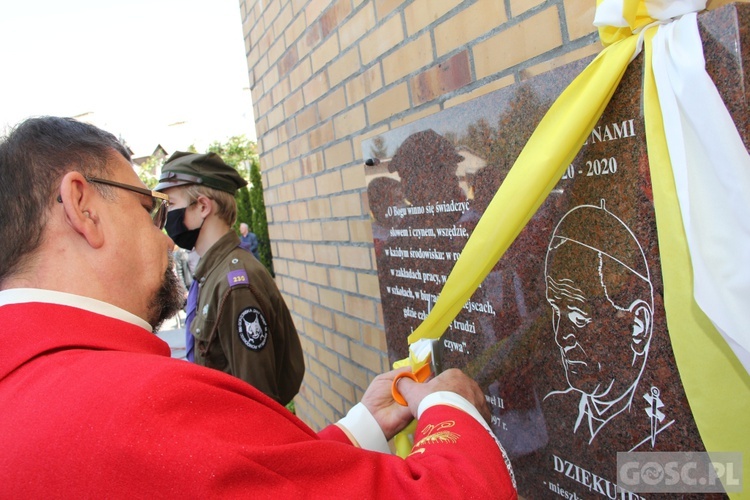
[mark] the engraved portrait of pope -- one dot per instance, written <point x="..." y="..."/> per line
<point x="601" y="297"/>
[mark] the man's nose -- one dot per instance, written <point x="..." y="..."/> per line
<point x="566" y="334"/>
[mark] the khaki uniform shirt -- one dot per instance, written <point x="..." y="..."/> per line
<point x="242" y="325"/>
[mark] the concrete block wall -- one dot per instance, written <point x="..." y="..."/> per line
<point x="325" y="74"/>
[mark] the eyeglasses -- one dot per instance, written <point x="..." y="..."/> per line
<point x="160" y="205"/>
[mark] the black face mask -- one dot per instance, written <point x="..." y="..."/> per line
<point x="181" y="235"/>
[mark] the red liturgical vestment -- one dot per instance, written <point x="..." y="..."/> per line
<point x="93" y="406"/>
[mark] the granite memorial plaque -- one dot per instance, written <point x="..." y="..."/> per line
<point x="567" y="335"/>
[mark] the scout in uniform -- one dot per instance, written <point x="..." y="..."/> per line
<point x="237" y="320"/>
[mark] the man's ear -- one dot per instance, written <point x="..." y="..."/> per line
<point x="642" y="326"/>
<point x="80" y="206"/>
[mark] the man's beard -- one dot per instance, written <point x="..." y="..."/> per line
<point x="168" y="299"/>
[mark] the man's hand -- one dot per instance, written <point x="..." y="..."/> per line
<point x="391" y="416"/>
<point x="452" y="380"/>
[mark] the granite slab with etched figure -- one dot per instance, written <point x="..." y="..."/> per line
<point x="567" y="335"/>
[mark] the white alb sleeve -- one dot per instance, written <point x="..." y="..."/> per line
<point x="363" y="427"/>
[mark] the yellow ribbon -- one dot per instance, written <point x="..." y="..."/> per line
<point x="715" y="382"/>
<point x="634" y="17"/>
<point x="537" y="170"/>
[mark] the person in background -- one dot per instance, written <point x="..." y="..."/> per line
<point x="93" y="404"/>
<point x="182" y="267"/>
<point x="236" y="314"/>
<point x="184" y="275"/>
<point x="248" y="240"/>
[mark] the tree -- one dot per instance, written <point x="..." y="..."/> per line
<point x="244" y="208"/>
<point x="241" y="154"/>
<point x="238" y="152"/>
<point x="481" y="138"/>
<point x="260" y="222"/>
<point x="153" y="164"/>
<point x="513" y="133"/>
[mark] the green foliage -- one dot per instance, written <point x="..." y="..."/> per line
<point x="501" y="146"/>
<point x="238" y="152"/>
<point x="147" y="169"/>
<point x="481" y="139"/>
<point x="244" y="208"/>
<point x="259" y="221"/>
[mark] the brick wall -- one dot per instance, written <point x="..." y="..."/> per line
<point x="325" y="75"/>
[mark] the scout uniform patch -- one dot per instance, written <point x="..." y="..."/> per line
<point x="252" y="328"/>
<point x="237" y="277"/>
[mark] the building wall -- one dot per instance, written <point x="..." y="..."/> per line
<point x="327" y="74"/>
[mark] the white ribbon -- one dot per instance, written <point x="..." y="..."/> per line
<point x="711" y="168"/>
<point x="664" y="10"/>
<point x="611" y="12"/>
<point x="710" y="164"/>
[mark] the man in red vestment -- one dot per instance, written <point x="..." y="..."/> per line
<point x="93" y="406"/>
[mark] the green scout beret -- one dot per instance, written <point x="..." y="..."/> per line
<point x="203" y="169"/>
